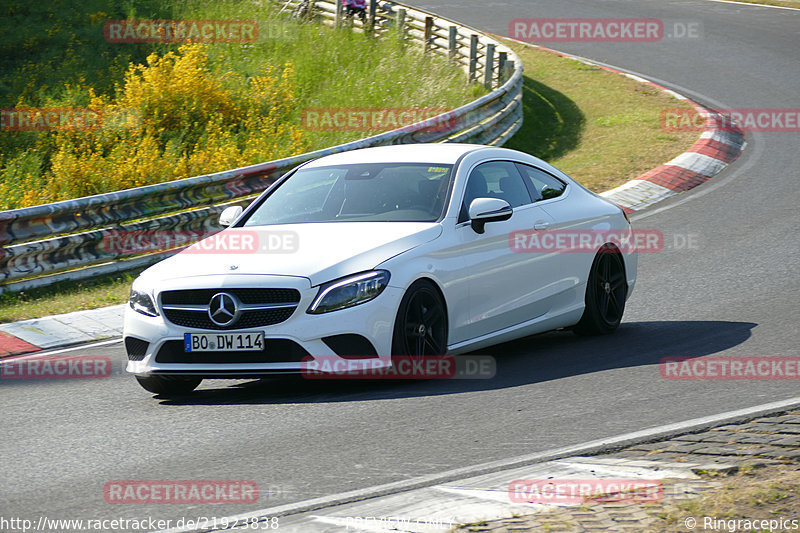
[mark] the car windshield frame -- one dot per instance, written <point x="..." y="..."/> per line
<point x="368" y="182"/>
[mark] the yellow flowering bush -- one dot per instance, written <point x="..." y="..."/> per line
<point x="176" y="90"/>
<point x="172" y="118"/>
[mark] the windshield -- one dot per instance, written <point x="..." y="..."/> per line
<point x="383" y="192"/>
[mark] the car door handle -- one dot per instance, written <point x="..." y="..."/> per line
<point x="541" y="225"/>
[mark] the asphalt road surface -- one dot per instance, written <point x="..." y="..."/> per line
<point x="733" y="294"/>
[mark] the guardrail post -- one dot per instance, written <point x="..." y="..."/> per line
<point x="428" y="33"/>
<point x="452" y="43"/>
<point x="373" y="7"/>
<point x="502" y="57"/>
<point x="338" y="14"/>
<point x="401" y="24"/>
<point x="488" y="70"/>
<point x="509" y="68"/>
<point x="473" y="57"/>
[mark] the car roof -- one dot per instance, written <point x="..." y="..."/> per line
<point x="440" y="153"/>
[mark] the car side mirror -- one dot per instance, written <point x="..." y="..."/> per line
<point x="229" y="215"/>
<point x="483" y="210"/>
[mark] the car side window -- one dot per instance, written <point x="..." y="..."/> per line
<point x="542" y="184"/>
<point x="496" y="179"/>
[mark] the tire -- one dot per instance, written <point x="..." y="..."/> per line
<point x="420" y="328"/>
<point x="169" y="385"/>
<point x="606" y="290"/>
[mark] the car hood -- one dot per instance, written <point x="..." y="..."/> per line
<point x="319" y="252"/>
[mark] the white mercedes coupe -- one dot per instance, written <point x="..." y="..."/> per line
<point x="413" y="250"/>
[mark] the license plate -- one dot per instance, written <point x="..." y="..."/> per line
<point x="232" y="341"/>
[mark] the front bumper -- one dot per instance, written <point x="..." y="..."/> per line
<point x="154" y="344"/>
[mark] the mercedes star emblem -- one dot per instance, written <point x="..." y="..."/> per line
<point x="223" y="309"/>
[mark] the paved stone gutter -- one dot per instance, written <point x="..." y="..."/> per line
<point x="772" y="440"/>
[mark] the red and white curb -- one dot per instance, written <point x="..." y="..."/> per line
<point x="28" y="336"/>
<point x="716" y="148"/>
<point x="707" y="157"/>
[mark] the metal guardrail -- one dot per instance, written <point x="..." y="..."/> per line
<point x="73" y="239"/>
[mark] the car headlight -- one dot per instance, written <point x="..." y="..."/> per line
<point x="141" y="302"/>
<point x="349" y="291"/>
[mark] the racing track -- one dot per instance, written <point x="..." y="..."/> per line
<point x="733" y="295"/>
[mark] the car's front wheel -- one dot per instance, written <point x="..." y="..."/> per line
<point x="420" y="328"/>
<point x="606" y="291"/>
<point x="169" y="385"/>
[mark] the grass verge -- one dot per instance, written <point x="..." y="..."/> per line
<point x="67" y="296"/>
<point x="601" y="128"/>
<point x="750" y="495"/>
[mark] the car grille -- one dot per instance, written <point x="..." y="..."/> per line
<point x="189" y="308"/>
<point x="275" y="351"/>
<point x="247" y="296"/>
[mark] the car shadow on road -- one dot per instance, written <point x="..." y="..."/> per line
<point x="538" y="358"/>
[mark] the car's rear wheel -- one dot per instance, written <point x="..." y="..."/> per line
<point x="420" y="328"/>
<point x="169" y="385"/>
<point x="606" y="290"/>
